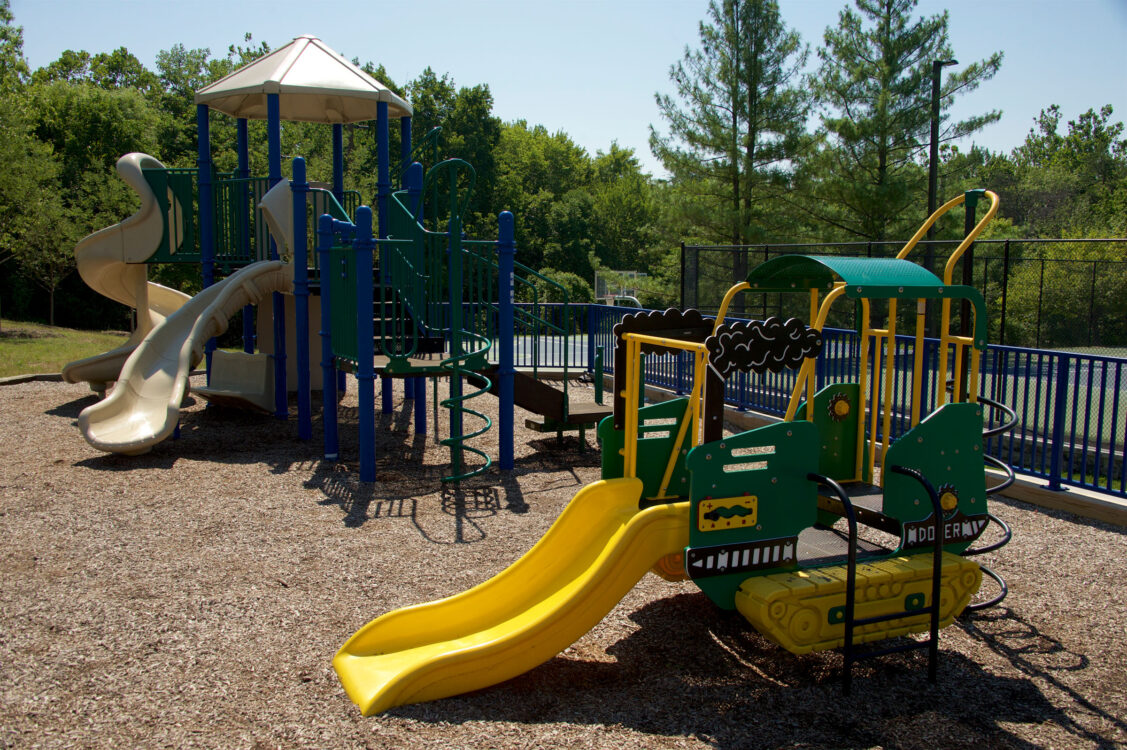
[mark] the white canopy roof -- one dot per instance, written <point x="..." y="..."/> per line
<point x="314" y="84"/>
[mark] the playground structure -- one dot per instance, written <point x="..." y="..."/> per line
<point x="405" y="311"/>
<point x="753" y="519"/>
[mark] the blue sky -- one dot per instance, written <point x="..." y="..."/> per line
<point x="591" y="68"/>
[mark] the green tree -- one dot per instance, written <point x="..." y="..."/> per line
<point x="875" y="87"/>
<point x="736" y="122"/>
<point x="13" y="65"/>
<point x="470" y="131"/>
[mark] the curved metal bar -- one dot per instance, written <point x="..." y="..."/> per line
<point x="1007" y="535"/>
<point x="1008" y="470"/>
<point x="990" y="602"/>
<point x="1011" y="416"/>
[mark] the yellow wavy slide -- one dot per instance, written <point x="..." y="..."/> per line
<point x="144" y="406"/>
<point x="599" y="547"/>
<point x="112" y="262"/>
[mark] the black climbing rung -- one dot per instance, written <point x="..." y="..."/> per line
<point x="851" y="621"/>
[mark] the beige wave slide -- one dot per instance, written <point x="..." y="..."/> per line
<point x="144" y="406"/>
<point x="112" y="262"/>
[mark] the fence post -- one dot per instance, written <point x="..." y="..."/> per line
<point x="1060" y="402"/>
<point x="682" y="276"/>
<point x="592" y="331"/>
<point x="1005" y="290"/>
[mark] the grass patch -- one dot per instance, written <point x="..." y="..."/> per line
<point x="34" y="349"/>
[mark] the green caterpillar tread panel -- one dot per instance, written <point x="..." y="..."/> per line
<point x="750" y="500"/>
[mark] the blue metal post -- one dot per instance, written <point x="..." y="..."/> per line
<point x="506" y="253"/>
<point x="383" y="190"/>
<point x="404" y="149"/>
<point x="328" y="368"/>
<point x="592" y="323"/>
<point x="415" y="202"/>
<point x="274" y="155"/>
<point x="1059" y="417"/>
<point x="338" y="162"/>
<point x="242" y="142"/>
<point x="365" y="370"/>
<point x="299" y="189"/>
<point x="207" y="213"/>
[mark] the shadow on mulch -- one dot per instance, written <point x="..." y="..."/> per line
<point x="71" y="409"/>
<point x="707" y="675"/>
<point x="1031" y="652"/>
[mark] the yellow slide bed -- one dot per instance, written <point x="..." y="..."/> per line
<point x="594" y="553"/>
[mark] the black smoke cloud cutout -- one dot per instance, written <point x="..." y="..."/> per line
<point x="762" y="345"/>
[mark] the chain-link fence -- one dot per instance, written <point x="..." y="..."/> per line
<point x="1052" y="294"/>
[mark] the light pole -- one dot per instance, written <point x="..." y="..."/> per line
<point x="933" y="156"/>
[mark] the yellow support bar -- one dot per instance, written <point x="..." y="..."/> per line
<point x="863" y="389"/>
<point x="970" y="238"/>
<point x="889" y="382"/>
<point x="806" y="373"/>
<point x="692" y="414"/>
<point x="728" y="297"/>
<point x="918" y="361"/>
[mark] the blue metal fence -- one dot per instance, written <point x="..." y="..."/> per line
<point x="1071" y="408"/>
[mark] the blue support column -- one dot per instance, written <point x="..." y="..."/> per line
<point x="506" y="252"/>
<point x="404" y="149"/>
<point x="207" y="212"/>
<point x="383" y="190"/>
<point x="299" y="189"/>
<point x="1060" y="416"/>
<point x="242" y="145"/>
<point x="415" y="203"/>
<point x="328" y="366"/>
<point x="591" y="318"/>
<point x="274" y="155"/>
<point x="338" y="162"/>
<point x="365" y="369"/>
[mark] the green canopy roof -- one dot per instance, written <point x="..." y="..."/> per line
<point x="872" y="278"/>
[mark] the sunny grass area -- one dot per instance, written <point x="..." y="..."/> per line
<point x="33" y="348"/>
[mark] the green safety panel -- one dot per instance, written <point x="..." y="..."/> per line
<point x="175" y="192"/>
<point x="865" y="278"/>
<point x="658" y="425"/>
<point x="947" y="449"/>
<point x="836" y="411"/>
<point x="750" y="499"/>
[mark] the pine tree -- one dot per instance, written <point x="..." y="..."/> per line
<point x="736" y="121"/>
<point x="874" y="84"/>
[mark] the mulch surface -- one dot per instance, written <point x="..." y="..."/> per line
<point x="194" y="597"/>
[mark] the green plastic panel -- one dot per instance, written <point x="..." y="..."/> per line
<point x="865" y="278"/>
<point x="175" y="191"/>
<point x="657" y="428"/>
<point x="759" y="480"/>
<point x="947" y="449"/>
<point x="836" y="411"/>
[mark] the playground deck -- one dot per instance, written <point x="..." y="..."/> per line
<point x="194" y="596"/>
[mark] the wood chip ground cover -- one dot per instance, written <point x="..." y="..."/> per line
<point x="194" y="596"/>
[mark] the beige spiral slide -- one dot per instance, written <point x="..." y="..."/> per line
<point x="144" y="406"/>
<point x="112" y="262"/>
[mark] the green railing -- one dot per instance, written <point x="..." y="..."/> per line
<point x="175" y="191"/>
<point x="240" y="237"/>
